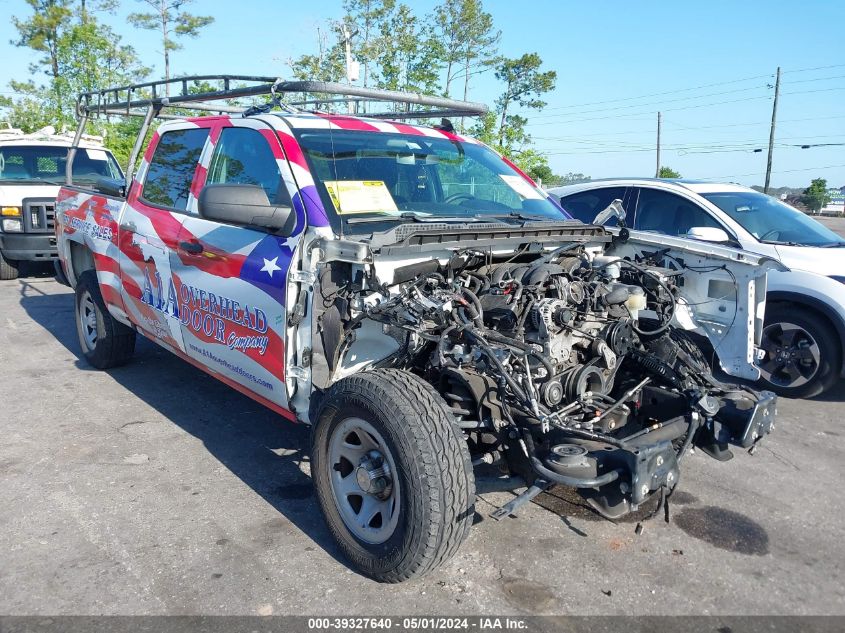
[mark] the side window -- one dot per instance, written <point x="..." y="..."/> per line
<point x="670" y="214"/>
<point x="586" y="205"/>
<point x="243" y="156"/>
<point x="172" y="168"/>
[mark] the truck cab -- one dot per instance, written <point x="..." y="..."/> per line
<point x="32" y="168"/>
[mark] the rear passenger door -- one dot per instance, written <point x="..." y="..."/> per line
<point x="233" y="279"/>
<point x="149" y="226"/>
<point x="586" y="205"/>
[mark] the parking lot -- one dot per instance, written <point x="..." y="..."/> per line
<point x="154" y="489"/>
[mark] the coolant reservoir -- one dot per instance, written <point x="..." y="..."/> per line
<point x="609" y="263"/>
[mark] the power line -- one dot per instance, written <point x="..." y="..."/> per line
<point x="701" y="87"/>
<point x="684" y="149"/>
<point x="804" y="81"/>
<point x="806" y="92"/>
<point x="633" y="114"/>
<point x="690" y="107"/>
<point x="659" y="94"/>
<point x="806" y="70"/>
<point x="654" y="103"/>
<point x="783" y="171"/>
<point x="683" y="127"/>
<point x="760" y="123"/>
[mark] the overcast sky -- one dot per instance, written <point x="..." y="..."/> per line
<point x="709" y="66"/>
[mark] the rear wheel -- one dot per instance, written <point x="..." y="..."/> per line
<point x="105" y="341"/>
<point x="60" y="273"/>
<point x="802" y="353"/>
<point x="392" y="473"/>
<point x="8" y="268"/>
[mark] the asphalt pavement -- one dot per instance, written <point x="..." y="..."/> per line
<point x="154" y="489"/>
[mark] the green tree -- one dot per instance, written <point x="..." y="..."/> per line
<point x="571" y="178"/>
<point x="407" y="57"/>
<point x="535" y="165"/>
<point x="524" y="84"/>
<point x="168" y="17"/>
<point x="516" y="146"/>
<point x="41" y="32"/>
<point x="91" y="57"/>
<point x="816" y="195"/>
<point x="329" y="64"/>
<point x="120" y="136"/>
<point x="668" y="172"/>
<point x="468" y="41"/>
<point x="83" y="55"/>
<point x="87" y="6"/>
<point x="504" y="129"/>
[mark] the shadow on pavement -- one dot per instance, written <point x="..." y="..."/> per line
<point x="255" y="444"/>
<point x="834" y="394"/>
<point x="261" y="448"/>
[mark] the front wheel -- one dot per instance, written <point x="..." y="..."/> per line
<point x="9" y="268"/>
<point x="392" y="473"/>
<point x="802" y="353"/>
<point x="105" y="341"/>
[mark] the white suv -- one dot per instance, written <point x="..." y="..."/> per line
<point x="32" y="168"/>
<point x="803" y="343"/>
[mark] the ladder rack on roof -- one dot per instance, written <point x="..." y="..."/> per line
<point x="148" y="99"/>
<point x="123" y="100"/>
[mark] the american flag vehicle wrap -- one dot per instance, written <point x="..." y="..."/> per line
<point x="221" y="304"/>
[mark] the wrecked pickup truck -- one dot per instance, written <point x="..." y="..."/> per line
<point x="420" y="302"/>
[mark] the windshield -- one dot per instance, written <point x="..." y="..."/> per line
<point x="369" y="176"/>
<point x="772" y="221"/>
<point x="36" y="164"/>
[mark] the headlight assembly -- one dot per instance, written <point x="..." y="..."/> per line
<point x="12" y="226"/>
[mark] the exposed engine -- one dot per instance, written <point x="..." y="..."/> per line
<point x="561" y="366"/>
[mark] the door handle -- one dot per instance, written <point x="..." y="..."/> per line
<point x="194" y="248"/>
<point x="128" y="226"/>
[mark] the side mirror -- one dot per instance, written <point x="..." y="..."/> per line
<point x="708" y="234"/>
<point x="246" y="205"/>
<point x="613" y="210"/>
<point x="111" y="187"/>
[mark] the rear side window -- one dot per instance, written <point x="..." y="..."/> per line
<point x="586" y="205"/>
<point x="172" y="168"/>
<point x="243" y="156"/>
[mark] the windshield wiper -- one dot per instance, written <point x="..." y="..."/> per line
<point x="832" y="245"/>
<point x="782" y="243"/>
<point x="513" y="215"/>
<point x="408" y="216"/>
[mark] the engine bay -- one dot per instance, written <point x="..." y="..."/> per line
<point x="563" y="366"/>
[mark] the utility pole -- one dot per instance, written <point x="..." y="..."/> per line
<point x="352" y="67"/>
<point x="772" y="133"/>
<point x="659" y="122"/>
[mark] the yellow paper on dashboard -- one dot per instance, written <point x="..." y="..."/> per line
<point x="361" y="196"/>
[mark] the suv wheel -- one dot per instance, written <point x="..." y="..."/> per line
<point x="105" y="341"/>
<point x="392" y="473"/>
<point x="8" y="268"/>
<point x="803" y="353"/>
